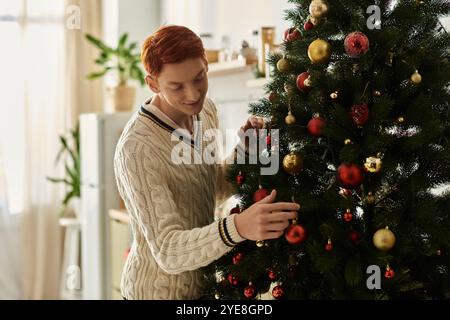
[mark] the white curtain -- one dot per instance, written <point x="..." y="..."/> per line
<point x="42" y="80"/>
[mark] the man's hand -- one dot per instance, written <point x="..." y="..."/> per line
<point x="265" y="219"/>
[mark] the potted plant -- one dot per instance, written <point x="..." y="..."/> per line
<point x="124" y="62"/>
<point x="70" y="150"/>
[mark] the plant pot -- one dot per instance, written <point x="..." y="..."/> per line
<point x="121" y="98"/>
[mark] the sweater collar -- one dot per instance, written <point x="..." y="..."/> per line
<point x="155" y="114"/>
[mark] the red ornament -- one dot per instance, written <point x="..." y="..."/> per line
<point x="359" y="113"/>
<point x="295" y="234"/>
<point x="240" y="178"/>
<point x="345" y="192"/>
<point x="329" y="245"/>
<point x="268" y="140"/>
<point x="233" y="279"/>
<point x="356" y="44"/>
<point x="308" y="25"/>
<point x="260" y="194"/>
<point x="354" y="236"/>
<point x="236" y="209"/>
<point x="272" y="275"/>
<point x="350" y="175"/>
<point x="315" y="126"/>
<point x="389" y="274"/>
<point x="277" y="292"/>
<point x="304" y="82"/>
<point x="250" y="291"/>
<point x="348" y="216"/>
<point x="238" y="257"/>
<point x="291" y="34"/>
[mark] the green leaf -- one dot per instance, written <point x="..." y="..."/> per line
<point x="58" y="180"/>
<point x="99" y="44"/>
<point x="68" y="196"/>
<point x="96" y="75"/>
<point x="123" y="39"/>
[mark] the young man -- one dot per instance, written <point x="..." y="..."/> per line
<point x="171" y="206"/>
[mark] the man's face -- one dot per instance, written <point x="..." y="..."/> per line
<point x="182" y="85"/>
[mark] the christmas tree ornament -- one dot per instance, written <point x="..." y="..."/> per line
<point x="373" y="164"/>
<point x="356" y="44"/>
<point x="400" y="119"/>
<point x="291" y="34"/>
<point x="329" y="245"/>
<point x="233" y="279"/>
<point x="217" y="296"/>
<point x="295" y="233"/>
<point x="260" y="243"/>
<point x="268" y="140"/>
<point x="389" y="273"/>
<point x="347" y="216"/>
<point x="315" y="126"/>
<point x="354" y="236"/>
<point x="283" y="65"/>
<point x="384" y="239"/>
<point x="345" y="192"/>
<point x="334" y="95"/>
<point x="272" y="275"/>
<point x="348" y="141"/>
<point x="260" y="194"/>
<point x="240" y="178"/>
<point x="290" y="119"/>
<point x="350" y="175"/>
<point x="237" y="258"/>
<point x="308" y="25"/>
<point x="359" y="114"/>
<point x="376" y="93"/>
<point x="292" y="163"/>
<point x="250" y="291"/>
<point x="278" y="292"/>
<point x="318" y="9"/>
<point x="416" y="78"/>
<point x="304" y="82"/>
<point x="319" y="51"/>
<point x="235" y="210"/>
<point x="370" y="198"/>
<point x="273" y="96"/>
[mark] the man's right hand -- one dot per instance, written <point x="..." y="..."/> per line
<point x="265" y="219"/>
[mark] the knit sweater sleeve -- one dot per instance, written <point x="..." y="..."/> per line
<point x="150" y="203"/>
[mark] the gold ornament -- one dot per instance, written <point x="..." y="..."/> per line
<point x="370" y="198"/>
<point x="400" y="119"/>
<point x="384" y="239"/>
<point x="318" y="8"/>
<point x="293" y="163"/>
<point x="334" y="95"/>
<point x="290" y="119"/>
<point x="348" y="141"/>
<point x="283" y="65"/>
<point x="377" y="93"/>
<point x="217" y="296"/>
<point x="373" y="164"/>
<point x="259" y="243"/>
<point x="416" y="78"/>
<point x="319" y="51"/>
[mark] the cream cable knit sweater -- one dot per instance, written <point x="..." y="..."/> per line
<point x="171" y="209"/>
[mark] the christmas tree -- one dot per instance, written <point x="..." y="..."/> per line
<point x="360" y="97"/>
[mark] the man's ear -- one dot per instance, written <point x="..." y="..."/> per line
<point x="152" y="83"/>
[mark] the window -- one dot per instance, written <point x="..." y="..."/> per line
<point x="32" y="34"/>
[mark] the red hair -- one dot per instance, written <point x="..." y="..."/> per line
<point x="170" y="44"/>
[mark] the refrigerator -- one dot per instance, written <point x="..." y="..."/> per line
<point x="99" y="134"/>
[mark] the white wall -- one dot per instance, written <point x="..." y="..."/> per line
<point x="234" y="18"/>
<point x="137" y="17"/>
